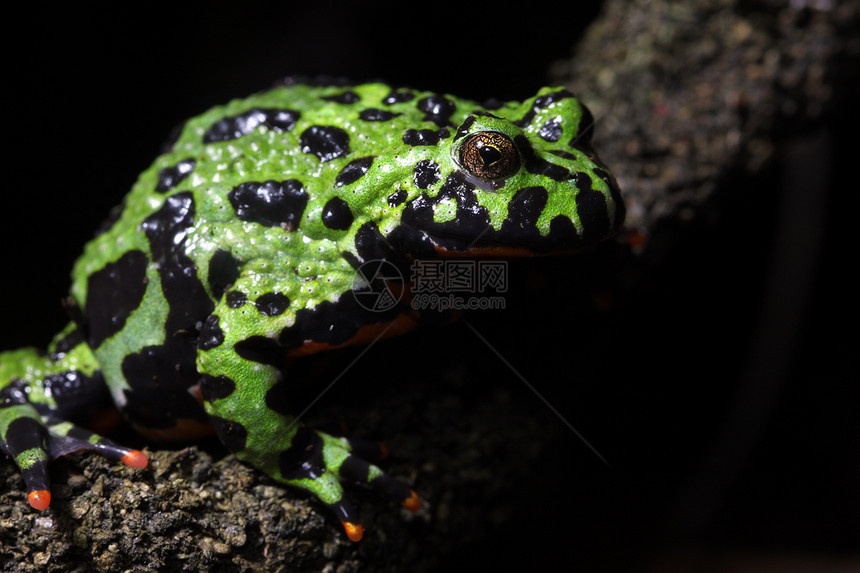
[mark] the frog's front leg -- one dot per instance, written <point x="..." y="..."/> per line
<point x="38" y="393"/>
<point x="241" y="387"/>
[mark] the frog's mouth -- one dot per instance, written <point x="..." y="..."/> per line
<point x="469" y="232"/>
<point x="454" y="239"/>
<point x="455" y="223"/>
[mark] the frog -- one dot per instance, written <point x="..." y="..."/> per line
<point x="244" y="247"/>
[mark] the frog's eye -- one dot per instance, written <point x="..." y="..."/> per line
<point x="489" y="155"/>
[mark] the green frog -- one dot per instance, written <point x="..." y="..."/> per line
<point x="247" y="245"/>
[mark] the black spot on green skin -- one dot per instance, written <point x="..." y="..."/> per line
<point x="397" y="198"/>
<point x="329" y="322"/>
<point x="14" y="393"/>
<point x="223" y="272"/>
<point x="236" y="126"/>
<point x="542" y="102"/>
<point x="471" y="220"/>
<point x="261" y="349"/>
<point x="113" y="292"/>
<point x="236" y="298"/>
<point x="278" y="398"/>
<point x="551" y="98"/>
<point x="174" y="217"/>
<point x="159" y="376"/>
<point x="325" y="141"/>
<point x="551" y="130"/>
<point x="272" y="303"/>
<point x="66" y="344"/>
<point x="350" y="258"/>
<point x="353" y="171"/>
<point x="438" y="109"/>
<point x="336" y="214"/>
<point x="188" y="302"/>
<point x="232" y="434"/>
<point x="211" y="335"/>
<point x="538" y="165"/>
<point x="401" y="96"/>
<point x="372" y="246"/>
<point x="410" y="239"/>
<point x="214" y="388"/>
<point x="270" y="203"/>
<point x="78" y="396"/>
<point x="419" y="137"/>
<point x="170" y="177"/>
<point x="426" y="174"/>
<point x="465" y="126"/>
<point x="591" y="206"/>
<point x="564" y="155"/>
<point x="524" y="209"/>
<point x="347" y="97"/>
<point x="303" y="459"/>
<point x="372" y="114"/>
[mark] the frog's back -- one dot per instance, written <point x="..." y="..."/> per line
<point x="265" y="176"/>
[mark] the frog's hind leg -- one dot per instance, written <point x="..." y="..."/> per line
<point x="285" y="449"/>
<point x="356" y="469"/>
<point x="319" y="463"/>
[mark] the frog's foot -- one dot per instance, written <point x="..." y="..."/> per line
<point x="32" y="444"/>
<point x="324" y="461"/>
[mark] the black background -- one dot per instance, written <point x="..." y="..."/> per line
<point x="91" y="96"/>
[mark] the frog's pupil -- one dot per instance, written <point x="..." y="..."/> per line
<point x="489" y="155"/>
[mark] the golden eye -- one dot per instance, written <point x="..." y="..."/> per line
<point x="489" y="155"/>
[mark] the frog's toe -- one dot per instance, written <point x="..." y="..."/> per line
<point x="39" y="498"/>
<point x="320" y="463"/>
<point x="355" y="468"/>
<point x="23" y="438"/>
<point x="32" y="445"/>
<point x="66" y="437"/>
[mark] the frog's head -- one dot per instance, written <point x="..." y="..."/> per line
<point x="514" y="188"/>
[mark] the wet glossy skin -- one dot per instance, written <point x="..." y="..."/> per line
<point x="236" y="253"/>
